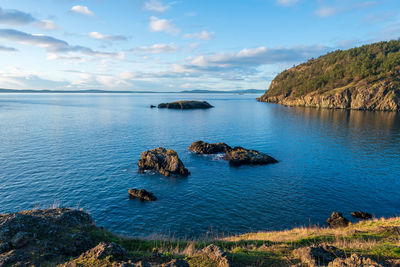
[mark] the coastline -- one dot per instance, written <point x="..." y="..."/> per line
<point x="68" y="237"/>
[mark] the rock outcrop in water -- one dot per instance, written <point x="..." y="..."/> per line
<point x="201" y="147"/>
<point x="337" y="220"/>
<point x="361" y="215"/>
<point x="235" y="156"/>
<point x="241" y="156"/>
<point x="141" y="194"/>
<point x="186" y="104"/>
<point x="164" y="161"/>
<point x="363" y="78"/>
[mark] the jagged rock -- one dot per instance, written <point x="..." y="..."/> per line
<point x="103" y="250"/>
<point x="141" y="194"/>
<point x="51" y="233"/>
<point x="354" y="261"/>
<point x="115" y="256"/>
<point x="361" y="215"/>
<point x="337" y="220"/>
<point x="20" y="239"/>
<point x="241" y="156"/>
<point x="317" y="255"/>
<point x="152" y="106"/>
<point x="186" y="104"/>
<point x="216" y="254"/>
<point x="4" y="247"/>
<point x="165" y="162"/>
<point x="176" y="263"/>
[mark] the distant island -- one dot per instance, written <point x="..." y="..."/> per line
<point x="94" y="91"/>
<point x="364" y="78"/>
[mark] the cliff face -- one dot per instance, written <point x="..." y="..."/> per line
<point x="365" y="78"/>
<point x="379" y="96"/>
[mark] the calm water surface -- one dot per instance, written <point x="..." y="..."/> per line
<point x="82" y="150"/>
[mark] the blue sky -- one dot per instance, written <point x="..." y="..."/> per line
<point x="177" y="45"/>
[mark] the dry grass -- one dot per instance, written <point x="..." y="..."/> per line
<point x="370" y="226"/>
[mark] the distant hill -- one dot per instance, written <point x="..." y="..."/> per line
<point x="248" y="91"/>
<point x="366" y="77"/>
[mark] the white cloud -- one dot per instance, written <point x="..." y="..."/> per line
<point x="83" y="10"/>
<point x="14" y="77"/>
<point x="15" y="17"/>
<point x="162" y="25"/>
<point x="7" y="49"/>
<point x="104" y="37"/>
<point x="47" y="25"/>
<point x="155" y="49"/>
<point x="70" y="59"/>
<point x="325" y="11"/>
<point x="203" y="35"/>
<point x="287" y="2"/>
<point x="51" y="44"/>
<point x="154" y="5"/>
<point x="247" y="59"/>
<point x="100" y="81"/>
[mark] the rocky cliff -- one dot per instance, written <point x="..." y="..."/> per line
<point x="364" y="78"/>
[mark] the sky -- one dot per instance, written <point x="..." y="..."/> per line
<point x="161" y="45"/>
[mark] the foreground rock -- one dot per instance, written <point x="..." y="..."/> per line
<point x="112" y="254"/>
<point x="317" y="255"/>
<point x="241" y="156"/>
<point x="201" y="147"/>
<point x="164" y="161"/>
<point x="337" y="220"/>
<point x="186" y="104"/>
<point x="30" y="237"/>
<point x="354" y="261"/>
<point x="141" y="194"/>
<point x="211" y="255"/>
<point x="361" y="215"/>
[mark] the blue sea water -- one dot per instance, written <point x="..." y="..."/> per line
<point x="81" y="150"/>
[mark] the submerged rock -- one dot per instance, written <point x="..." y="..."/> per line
<point x="186" y="104"/>
<point x="241" y="156"/>
<point x="361" y="215"/>
<point x="201" y="147"/>
<point x="141" y="194"/>
<point x="164" y="161"/>
<point x="337" y="220"/>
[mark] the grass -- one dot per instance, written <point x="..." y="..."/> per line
<point x="378" y="239"/>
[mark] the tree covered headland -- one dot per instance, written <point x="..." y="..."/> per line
<point x="365" y="64"/>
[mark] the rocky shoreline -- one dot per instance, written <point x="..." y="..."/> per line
<point x="381" y="96"/>
<point x="68" y="237"/>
